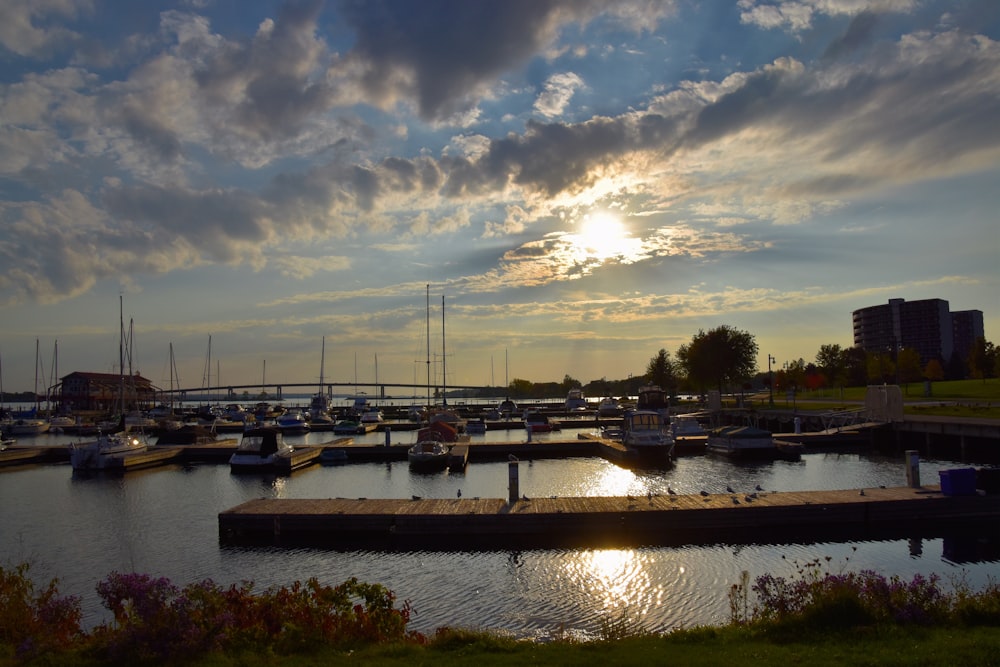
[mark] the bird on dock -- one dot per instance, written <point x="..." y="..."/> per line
<point x="704" y="493"/>
<point x="736" y="501"/>
<point x="671" y="491"/>
<point x="415" y="497"/>
<point x="525" y="497"/>
<point x="861" y="492"/>
<point x="729" y="489"/>
<point x="748" y="499"/>
<point x="459" y="493"/>
<point x="758" y="488"/>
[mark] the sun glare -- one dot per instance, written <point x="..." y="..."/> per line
<point x="602" y="236"/>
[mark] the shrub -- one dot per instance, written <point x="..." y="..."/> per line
<point x="32" y="623"/>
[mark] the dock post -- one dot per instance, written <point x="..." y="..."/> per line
<point x="512" y="482"/>
<point x="527" y="427"/>
<point x="388" y="436"/>
<point x="912" y="457"/>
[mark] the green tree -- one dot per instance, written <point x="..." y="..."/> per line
<point x="832" y="362"/>
<point x="662" y="371"/>
<point x="856" y="366"/>
<point x="719" y="357"/>
<point x="982" y="362"/>
<point x="880" y="368"/>
<point x="519" y="388"/>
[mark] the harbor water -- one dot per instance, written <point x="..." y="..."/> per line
<point x="164" y="522"/>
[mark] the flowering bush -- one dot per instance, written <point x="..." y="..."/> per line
<point x="35" y="623"/>
<point x="155" y="620"/>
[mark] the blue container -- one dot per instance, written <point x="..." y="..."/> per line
<point x="958" y="482"/>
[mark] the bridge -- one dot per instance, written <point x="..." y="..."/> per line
<point x="275" y="391"/>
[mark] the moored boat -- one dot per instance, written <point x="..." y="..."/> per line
<point x="742" y="442"/>
<point x="536" y="422"/>
<point x="428" y="455"/>
<point x="260" y="450"/>
<point x="644" y="432"/>
<point x="106" y="449"/>
<point x="686" y="426"/>
<point x="292" y="421"/>
<point x="28" y="426"/>
<point x="575" y="402"/>
<point x="609" y="407"/>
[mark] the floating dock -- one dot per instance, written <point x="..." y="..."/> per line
<point x="489" y="523"/>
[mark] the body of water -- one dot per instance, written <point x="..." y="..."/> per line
<point x="164" y="522"/>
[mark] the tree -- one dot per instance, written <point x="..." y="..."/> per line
<point x="519" y="388"/>
<point x="908" y="366"/>
<point x="881" y="368"/>
<point x="662" y="371"/>
<point x="981" y="359"/>
<point x="721" y="356"/>
<point x="933" y="371"/>
<point x="832" y="361"/>
<point x="856" y="366"/>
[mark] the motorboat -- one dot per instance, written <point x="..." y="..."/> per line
<point x="507" y="408"/>
<point x="372" y="415"/>
<point x="260" y="449"/>
<point x="742" y="442"/>
<point x="193" y="434"/>
<point x="349" y="427"/>
<point x="686" y="426"/>
<point x="416" y="413"/>
<point x="28" y="426"/>
<point x="6" y="442"/>
<point x="652" y="397"/>
<point x="428" y="455"/>
<point x="476" y="427"/>
<point x="609" y="407"/>
<point x="106" y="449"/>
<point x="645" y="433"/>
<point x="59" y="422"/>
<point x="575" y="402"/>
<point x="536" y="422"/>
<point x="333" y="457"/>
<point x="293" y="421"/>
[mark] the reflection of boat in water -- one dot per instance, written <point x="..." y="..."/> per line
<point x="260" y="449"/>
<point x="333" y="457"/>
<point x="645" y="433"/>
<point x="428" y="455"/>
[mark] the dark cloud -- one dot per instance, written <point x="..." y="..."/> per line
<point x="858" y="34"/>
<point x="451" y="49"/>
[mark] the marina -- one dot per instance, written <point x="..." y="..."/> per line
<point x="165" y="521"/>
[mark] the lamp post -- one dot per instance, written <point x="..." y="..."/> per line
<point x="770" y="380"/>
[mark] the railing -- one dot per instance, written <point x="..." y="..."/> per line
<point x="842" y="418"/>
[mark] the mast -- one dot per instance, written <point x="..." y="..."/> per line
<point x="444" y="360"/>
<point x="428" y="350"/>
<point x="121" y="354"/>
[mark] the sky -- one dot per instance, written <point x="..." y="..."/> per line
<point x="275" y="190"/>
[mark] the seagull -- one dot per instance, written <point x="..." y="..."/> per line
<point x="704" y="493"/>
<point x="525" y="497"/>
<point x="749" y="499"/>
<point x="459" y="493"/>
<point x="416" y="497"/>
<point x="861" y="492"/>
<point x="671" y="491"/>
<point x="736" y="501"/>
<point x="729" y="489"/>
<point x="758" y="488"/>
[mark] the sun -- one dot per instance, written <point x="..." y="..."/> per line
<point x="602" y="235"/>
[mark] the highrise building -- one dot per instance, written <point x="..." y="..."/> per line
<point x="927" y="326"/>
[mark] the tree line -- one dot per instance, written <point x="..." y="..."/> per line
<point x="725" y="359"/>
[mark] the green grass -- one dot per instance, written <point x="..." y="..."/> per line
<point x="703" y="646"/>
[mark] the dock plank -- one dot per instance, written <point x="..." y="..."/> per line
<point x="685" y="519"/>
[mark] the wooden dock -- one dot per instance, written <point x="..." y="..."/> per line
<point x="489" y="523"/>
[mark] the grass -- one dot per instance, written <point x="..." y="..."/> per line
<point x="958" y="398"/>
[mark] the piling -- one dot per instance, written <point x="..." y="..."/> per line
<point x="912" y="458"/>
<point x="512" y="481"/>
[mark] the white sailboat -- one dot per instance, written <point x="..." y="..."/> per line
<point x="109" y="446"/>
<point x="429" y="452"/>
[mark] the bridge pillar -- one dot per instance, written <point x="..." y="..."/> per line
<point x="278" y="390"/>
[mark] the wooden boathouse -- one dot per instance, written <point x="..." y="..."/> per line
<point x="489" y="523"/>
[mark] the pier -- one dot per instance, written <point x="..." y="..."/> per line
<point x="661" y="520"/>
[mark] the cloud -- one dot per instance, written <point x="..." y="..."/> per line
<point x="556" y="93"/>
<point x="798" y="15"/>
<point x="446" y="55"/>
<point x="25" y="28"/>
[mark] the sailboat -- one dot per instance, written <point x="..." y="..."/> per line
<point x="430" y="452"/>
<point x="110" y="446"/>
<point x="319" y="407"/>
<point x="33" y="424"/>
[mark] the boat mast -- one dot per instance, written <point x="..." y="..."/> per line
<point x="121" y="354"/>
<point x="428" y="350"/>
<point x="444" y="360"/>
